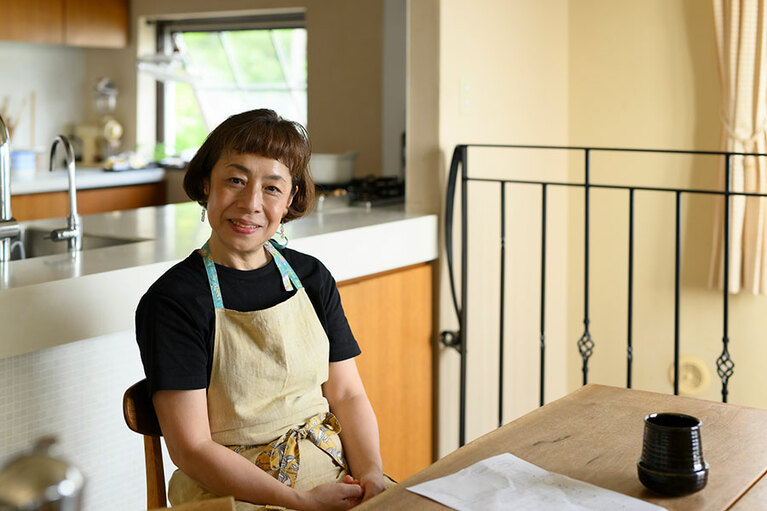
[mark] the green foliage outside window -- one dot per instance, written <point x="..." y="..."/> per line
<point x="190" y="128"/>
<point x="235" y="71"/>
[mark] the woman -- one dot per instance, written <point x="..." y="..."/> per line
<point x="246" y="349"/>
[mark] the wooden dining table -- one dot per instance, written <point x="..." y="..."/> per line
<point x="595" y="435"/>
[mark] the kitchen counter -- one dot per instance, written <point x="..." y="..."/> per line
<point x="85" y="178"/>
<point x="57" y="299"/>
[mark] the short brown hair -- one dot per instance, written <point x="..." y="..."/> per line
<point x="260" y="132"/>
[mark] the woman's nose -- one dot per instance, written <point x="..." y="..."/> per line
<point x="251" y="199"/>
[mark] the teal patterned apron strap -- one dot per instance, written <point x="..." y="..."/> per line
<point x="210" y="268"/>
<point x="288" y="275"/>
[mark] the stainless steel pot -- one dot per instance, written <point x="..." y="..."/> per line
<point x="40" y="480"/>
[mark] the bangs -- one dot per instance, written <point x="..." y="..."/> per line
<point x="261" y="132"/>
<point x="285" y="142"/>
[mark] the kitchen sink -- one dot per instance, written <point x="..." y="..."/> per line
<point x="37" y="243"/>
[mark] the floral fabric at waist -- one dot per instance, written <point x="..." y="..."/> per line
<point x="281" y="457"/>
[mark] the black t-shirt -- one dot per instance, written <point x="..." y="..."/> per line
<point x="175" y="319"/>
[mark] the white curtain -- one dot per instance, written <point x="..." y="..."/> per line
<point x="741" y="38"/>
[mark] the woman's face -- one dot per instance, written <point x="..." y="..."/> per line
<point x="248" y="196"/>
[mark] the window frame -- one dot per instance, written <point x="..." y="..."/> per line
<point x="166" y="27"/>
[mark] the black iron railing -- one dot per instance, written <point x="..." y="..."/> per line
<point x="585" y="344"/>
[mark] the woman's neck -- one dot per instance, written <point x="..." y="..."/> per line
<point x="225" y="256"/>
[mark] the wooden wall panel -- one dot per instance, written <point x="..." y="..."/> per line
<point x="96" y="23"/>
<point x="35" y="206"/>
<point x="34" y="21"/>
<point x="100" y="200"/>
<point x="391" y="317"/>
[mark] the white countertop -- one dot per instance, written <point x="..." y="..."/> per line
<point x="52" y="300"/>
<point x="85" y="178"/>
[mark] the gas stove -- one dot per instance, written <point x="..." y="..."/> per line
<point x="366" y="192"/>
<point x="377" y="191"/>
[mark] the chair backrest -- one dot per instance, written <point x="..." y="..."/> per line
<point x="140" y="417"/>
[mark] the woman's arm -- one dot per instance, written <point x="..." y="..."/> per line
<point x="359" y="428"/>
<point x="183" y="417"/>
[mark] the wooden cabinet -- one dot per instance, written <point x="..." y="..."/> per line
<point x="391" y="316"/>
<point x="90" y="23"/>
<point x="96" y="23"/>
<point x="34" y="21"/>
<point x="35" y="206"/>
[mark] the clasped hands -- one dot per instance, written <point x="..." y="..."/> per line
<point x="346" y="494"/>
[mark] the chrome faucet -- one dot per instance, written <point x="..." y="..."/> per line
<point x="9" y="228"/>
<point x="73" y="233"/>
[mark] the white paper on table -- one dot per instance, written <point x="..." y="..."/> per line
<point x="507" y="482"/>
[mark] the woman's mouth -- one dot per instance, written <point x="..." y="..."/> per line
<point x="242" y="227"/>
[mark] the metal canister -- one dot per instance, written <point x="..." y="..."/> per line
<point x="40" y="480"/>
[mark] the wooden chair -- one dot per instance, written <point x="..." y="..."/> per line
<point x="219" y="504"/>
<point x="140" y="417"/>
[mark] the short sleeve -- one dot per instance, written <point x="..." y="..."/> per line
<point x="173" y="344"/>
<point x="321" y="288"/>
<point x="343" y="345"/>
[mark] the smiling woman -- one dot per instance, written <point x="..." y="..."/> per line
<point x="248" y="196"/>
<point x="248" y="355"/>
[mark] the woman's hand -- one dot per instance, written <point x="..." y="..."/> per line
<point x="372" y="485"/>
<point x="359" y="434"/>
<point x="332" y="496"/>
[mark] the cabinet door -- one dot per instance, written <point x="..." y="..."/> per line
<point x="34" y="21"/>
<point x="391" y="317"/>
<point x="96" y="23"/>
<point x="101" y="200"/>
<point x="35" y="206"/>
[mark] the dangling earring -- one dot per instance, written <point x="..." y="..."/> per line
<point x="202" y="214"/>
<point x="283" y="237"/>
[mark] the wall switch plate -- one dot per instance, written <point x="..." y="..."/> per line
<point x="465" y="96"/>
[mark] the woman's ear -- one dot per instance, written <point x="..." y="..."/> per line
<point x="206" y="187"/>
<point x="290" y="201"/>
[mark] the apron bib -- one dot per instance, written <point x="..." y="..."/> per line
<point x="265" y="397"/>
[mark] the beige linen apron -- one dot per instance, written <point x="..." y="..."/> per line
<point x="265" y="397"/>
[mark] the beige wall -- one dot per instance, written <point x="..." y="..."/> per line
<point x="644" y="74"/>
<point x="344" y="70"/>
<point x="424" y="184"/>
<point x="492" y="89"/>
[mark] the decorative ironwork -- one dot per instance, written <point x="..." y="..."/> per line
<point x="502" y="299"/>
<point x="543" y="295"/>
<point x="586" y="345"/>
<point x="451" y="339"/>
<point x="724" y="364"/>
<point x="725" y="368"/>
<point x="586" y="349"/>
<point x="677" y="283"/>
<point x="630" y="298"/>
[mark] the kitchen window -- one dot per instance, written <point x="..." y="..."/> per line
<point x="220" y="67"/>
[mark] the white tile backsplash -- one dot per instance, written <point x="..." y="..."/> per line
<point x="57" y="76"/>
<point x="74" y="392"/>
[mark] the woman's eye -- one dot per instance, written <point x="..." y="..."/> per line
<point x="235" y="180"/>
<point x="273" y="189"/>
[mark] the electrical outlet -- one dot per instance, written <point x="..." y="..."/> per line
<point x="694" y="376"/>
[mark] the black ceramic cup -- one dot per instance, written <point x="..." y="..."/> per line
<point x="672" y="456"/>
